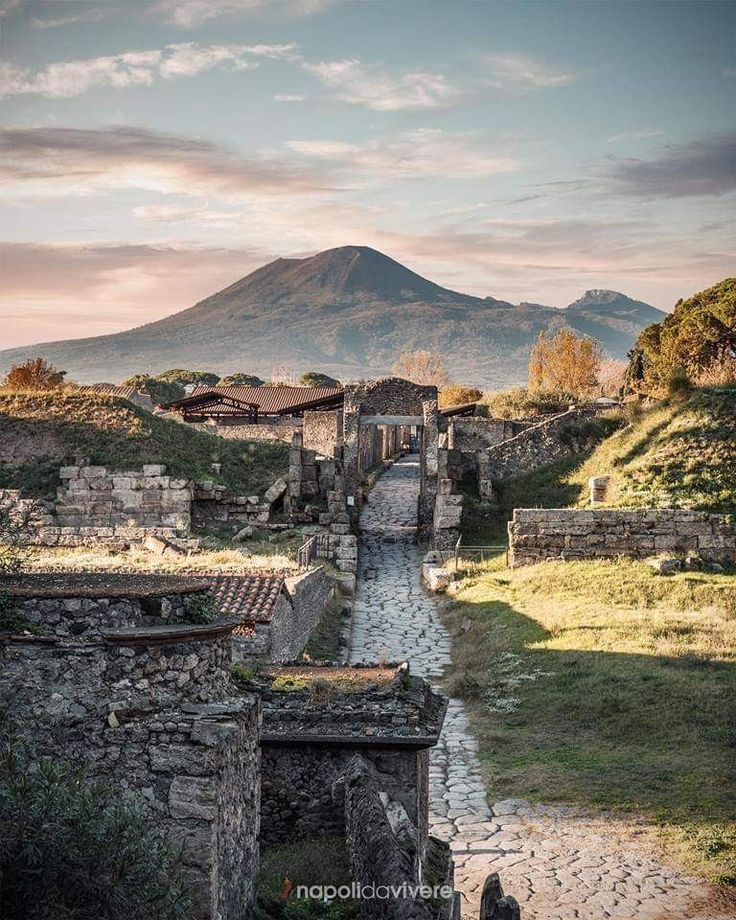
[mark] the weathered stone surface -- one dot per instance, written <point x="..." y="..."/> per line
<point x="276" y="490"/>
<point x="536" y="534"/>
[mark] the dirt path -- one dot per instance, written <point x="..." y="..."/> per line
<point x="558" y="863"/>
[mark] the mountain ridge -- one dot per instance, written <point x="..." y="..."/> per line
<point x="348" y="311"/>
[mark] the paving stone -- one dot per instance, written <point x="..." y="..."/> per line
<point x="558" y="862"/>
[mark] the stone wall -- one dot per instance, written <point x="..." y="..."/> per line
<point x="263" y="431"/>
<point x="95" y="496"/>
<point x="567" y="533"/>
<point x="323" y="432"/>
<point x="147" y="708"/>
<point x="96" y="505"/>
<point x="299" y="609"/>
<point x="309" y="737"/>
<point x="538" y="446"/>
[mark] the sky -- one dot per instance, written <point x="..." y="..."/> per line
<point x="155" y="151"/>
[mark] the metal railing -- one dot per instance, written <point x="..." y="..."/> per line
<point x="470" y="557"/>
<point x="316" y="547"/>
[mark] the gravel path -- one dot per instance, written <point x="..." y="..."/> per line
<point x="558" y="863"/>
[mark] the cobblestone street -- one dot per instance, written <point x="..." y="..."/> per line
<point x="558" y="863"/>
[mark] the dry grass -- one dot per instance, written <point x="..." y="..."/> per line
<point x="604" y="685"/>
<point x="227" y="561"/>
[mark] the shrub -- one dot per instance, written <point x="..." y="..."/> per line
<point x="200" y="609"/>
<point x="519" y="402"/>
<point x="69" y="850"/>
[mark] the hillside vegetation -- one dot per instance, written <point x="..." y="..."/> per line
<point x="39" y="432"/>
<point x="680" y="453"/>
<point x="603" y="685"/>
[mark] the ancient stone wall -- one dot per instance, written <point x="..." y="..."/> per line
<point x="95" y="496"/>
<point x="536" y="534"/>
<point x="323" y="432"/>
<point x="149" y="709"/>
<point x="96" y="505"/>
<point x="309" y="737"/>
<point x="299" y="609"/>
<point x="264" y="431"/>
<point x="538" y="446"/>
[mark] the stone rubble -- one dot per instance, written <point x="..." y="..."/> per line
<point x="558" y="862"/>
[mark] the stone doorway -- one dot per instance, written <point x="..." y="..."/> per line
<point x="380" y="415"/>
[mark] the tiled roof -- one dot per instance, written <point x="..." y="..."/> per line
<point x="251" y="598"/>
<point x="112" y="389"/>
<point x="274" y="400"/>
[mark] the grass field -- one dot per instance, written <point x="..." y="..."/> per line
<point x="603" y="685"/>
<point x="41" y="431"/>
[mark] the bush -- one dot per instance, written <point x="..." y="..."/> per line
<point x="519" y="402"/>
<point x="70" y="851"/>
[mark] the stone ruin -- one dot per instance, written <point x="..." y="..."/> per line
<point x="117" y="677"/>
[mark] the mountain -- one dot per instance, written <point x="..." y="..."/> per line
<point x="348" y="312"/>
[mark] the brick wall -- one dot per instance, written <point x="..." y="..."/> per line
<point x="539" y="533"/>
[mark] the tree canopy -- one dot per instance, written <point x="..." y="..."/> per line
<point x="698" y="336"/>
<point x="182" y="376"/>
<point x="423" y="367"/>
<point x="241" y="380"/>
<point x="34" y="374"/>
<point x="317" y="379"/>
<point x="160" y="391"/>
<point x="456" y="394"/>
<point x="566" y="363"/>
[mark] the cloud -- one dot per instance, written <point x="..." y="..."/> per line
<point x="61" y="161"/>
<point x="706" y="166"/>
<point x="633" y="136"/>
<point x="132" y="68"/>
<point x="191" y="13"/>
<point x="378" y="89"/>
<point x="205" y="217"/>
<point x="289" y="97"/>
<point x="93" y="15"/>
<point x="7" y="7"/>
<point x="121" y="285"/>
<point x="425" y="153"/>
<point x="517" y="72"/>
<point x="728" y="72"/>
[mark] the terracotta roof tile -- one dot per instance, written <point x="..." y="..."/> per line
<point x="272" y="400"/>
<point x="251" y="598"/>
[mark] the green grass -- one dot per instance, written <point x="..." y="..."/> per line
<point x="601" y="684"/>
<point x="679" y="453"/>
<point x="322" y="861"/>
<point x="485" y="522"/>
<point x="325" y="641"/>
<point x="51" y="429"/>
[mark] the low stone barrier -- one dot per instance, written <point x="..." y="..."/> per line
<point x="536" y="534"/>
<point x="143" y="700"/>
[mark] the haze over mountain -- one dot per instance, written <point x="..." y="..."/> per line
<point x="349" y="312"/>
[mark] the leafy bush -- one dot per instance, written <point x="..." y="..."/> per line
<point x="69" y="850"/>
<point x="241" y="380"/>
<point x="160" y="391"/>
<point x="182" y="376"/>
<point x="316" y="379"/>
<point x="519" y="402"/>
<point x="200" y="609"/>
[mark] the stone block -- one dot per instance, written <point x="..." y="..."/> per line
<point x="153" y="469"/>
<point x="93" y="472"/>
<point x="275" y="491"/>
<point x="68" y="472"/>
<point x="193" y="797"/>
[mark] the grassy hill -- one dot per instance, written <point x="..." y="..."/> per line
<point x="679" y="453"/>
<point x="39" y="432"/>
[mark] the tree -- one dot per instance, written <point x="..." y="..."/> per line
<point x="315" y="379"/>
<point x="158" y="390"/>
<point x="185" y="377"/>
<point x="241" y="380"/>
<point x="698" y="337"/>
<point x="457" y="395"/>
<point x="566" y="363"/>
<point x="34" y="374"/>
<point x="424" y="367"/>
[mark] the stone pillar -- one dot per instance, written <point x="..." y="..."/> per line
<point x="598" y="486"/>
